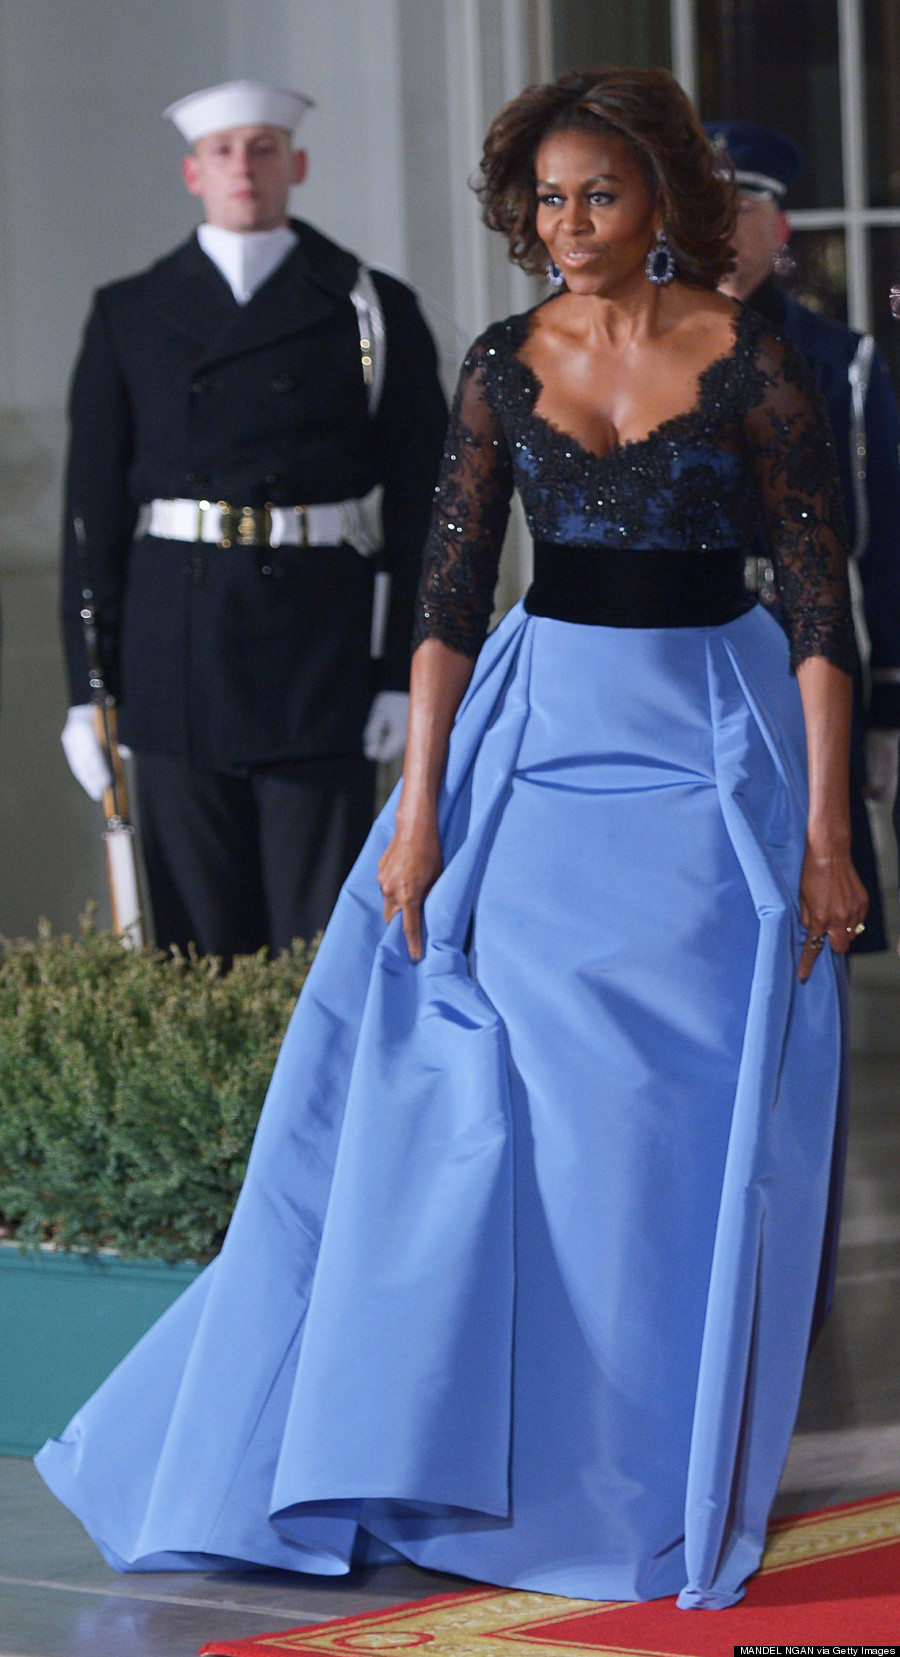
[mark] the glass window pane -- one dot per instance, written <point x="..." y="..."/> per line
<point x="885" y="252"/>
<point x="882" y="45"/>
<point x="588" y="34"/>
<point x="770" y="61"/>
<point x="820" y="277"/>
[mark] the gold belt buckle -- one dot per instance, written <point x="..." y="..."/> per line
<point x="250" y="528"/>
<point x="244" y="526"/>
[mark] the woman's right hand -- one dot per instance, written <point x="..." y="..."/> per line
<point x="413" y="860"/>
<point x="406" y="873"/>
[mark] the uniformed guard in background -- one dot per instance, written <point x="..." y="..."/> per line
<point x="854" y="380"/>
<point x="256" y="425"/>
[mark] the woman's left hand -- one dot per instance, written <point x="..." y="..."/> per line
<point x="833" y="905"/>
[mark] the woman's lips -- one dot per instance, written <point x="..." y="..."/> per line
<point x="575" y="256"/>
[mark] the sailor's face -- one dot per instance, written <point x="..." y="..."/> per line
<point x="243" y="176"/>
<point x="761" y="228"/>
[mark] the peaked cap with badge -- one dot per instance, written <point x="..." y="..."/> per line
<point x="765" y="162"/>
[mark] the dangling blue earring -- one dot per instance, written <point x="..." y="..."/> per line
<point x="555" y="276"/>
<point x="660" y="266"/>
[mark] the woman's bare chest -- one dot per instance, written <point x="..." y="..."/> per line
<point x="607" y="397"/>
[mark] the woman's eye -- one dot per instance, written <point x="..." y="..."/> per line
<point x="549" y="200"/>
<point x="600" y="198"/>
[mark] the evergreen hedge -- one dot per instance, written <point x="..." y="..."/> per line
<point x="130" y="1086"/>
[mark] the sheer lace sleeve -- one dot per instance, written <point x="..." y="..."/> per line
<point x="471" y="507"/>
<point x="793" y="455"/>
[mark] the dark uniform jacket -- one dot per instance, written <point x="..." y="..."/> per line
<point x="238" y="656"/>
<point x="830" y="348"/>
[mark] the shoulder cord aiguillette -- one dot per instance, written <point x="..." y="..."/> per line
<point x="372" y="335"/>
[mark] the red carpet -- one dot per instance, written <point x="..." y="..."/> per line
<point x="829" y="1578"/>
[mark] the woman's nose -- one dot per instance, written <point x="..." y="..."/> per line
<point x="575" y="216"/>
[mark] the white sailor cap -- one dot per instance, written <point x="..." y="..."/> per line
<point x="237" y="104"/>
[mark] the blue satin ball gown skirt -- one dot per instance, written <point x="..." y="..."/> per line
<point x="521" y="1279"/>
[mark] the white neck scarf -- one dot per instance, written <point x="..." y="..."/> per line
<point x="246" y="257"/>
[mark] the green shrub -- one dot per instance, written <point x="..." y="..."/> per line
<point x="130" y="1086"/>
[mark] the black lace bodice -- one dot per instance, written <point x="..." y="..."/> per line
<point x="750" y="465"/>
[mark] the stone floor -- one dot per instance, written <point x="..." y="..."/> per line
<point x="58" y="1600"/>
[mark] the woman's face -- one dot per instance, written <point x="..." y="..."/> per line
<point x="596" y="215"/>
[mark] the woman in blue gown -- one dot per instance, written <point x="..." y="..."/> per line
<point x="521" y="1280"/>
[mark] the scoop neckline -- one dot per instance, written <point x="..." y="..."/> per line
<point x="665" y="428"/>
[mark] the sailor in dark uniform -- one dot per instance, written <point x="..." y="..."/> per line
<point x="256" y="425"/>
<point x="855" y="383"/>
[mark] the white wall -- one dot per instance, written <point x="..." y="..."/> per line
<point x="90" y="190"/>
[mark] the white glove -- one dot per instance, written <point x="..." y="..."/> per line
<point x="83" y="750"/>
<point x="882" y="749"/>
<point x="385" y="734"/>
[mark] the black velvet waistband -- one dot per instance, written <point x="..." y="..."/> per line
<point x="638" y="587"/>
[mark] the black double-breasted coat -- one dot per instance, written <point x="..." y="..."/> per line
<point x="238" y="656"/>
<point x="830" y="348"/>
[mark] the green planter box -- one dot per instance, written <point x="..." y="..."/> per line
<point x="66" y="1320"/>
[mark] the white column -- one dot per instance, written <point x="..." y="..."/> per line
<point x="543" y="41"/>
<point x="685" y="64"/>
<point x="465" y="123"/>
<point x="523" y="47"/>
<point x="7" y="312"/>
<point x="486" y="66"/>
<point x="853" y="140"/>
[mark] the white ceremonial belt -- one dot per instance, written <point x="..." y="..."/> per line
<point x="218" y="523"/>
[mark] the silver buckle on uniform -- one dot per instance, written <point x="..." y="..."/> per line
<point x="759" y="577"/>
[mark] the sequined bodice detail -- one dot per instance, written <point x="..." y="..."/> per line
<point x="750" y="465"/>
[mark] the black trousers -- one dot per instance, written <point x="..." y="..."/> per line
<point x="238" y="862"/>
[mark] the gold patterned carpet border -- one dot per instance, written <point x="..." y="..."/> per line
<point x="828" y="1577"/>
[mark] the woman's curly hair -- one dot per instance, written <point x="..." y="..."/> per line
<point x="648" y="109"/>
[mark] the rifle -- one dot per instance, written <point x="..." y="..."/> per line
<point x="119" y="835"/>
